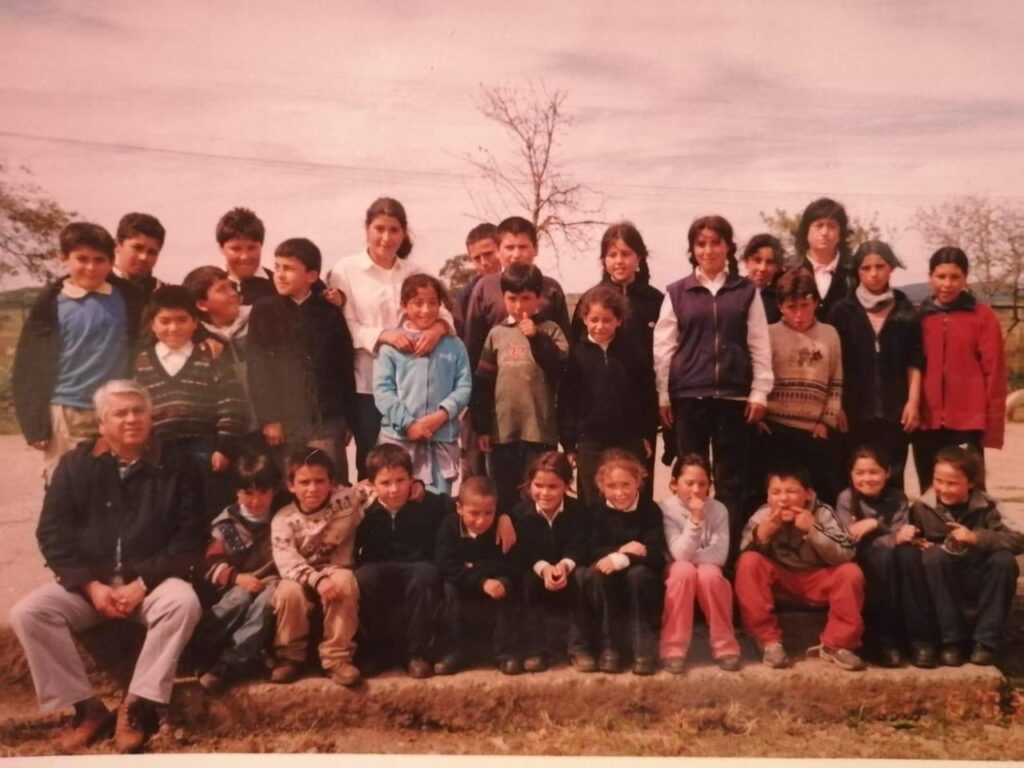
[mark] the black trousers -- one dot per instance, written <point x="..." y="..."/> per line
<point x="537" y="601"/>
<point x="621" y="610"/>
<point x="886" y="437"/>
<point x="416" y="586"/>
<point x="897" y="605"/>
<point x="928" y="442"/>
<point x="789" y="446"/>
<point x="503" y="614"/>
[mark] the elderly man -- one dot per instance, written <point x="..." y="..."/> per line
<point x="121" y="528"/>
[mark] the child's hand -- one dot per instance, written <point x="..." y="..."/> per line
<point x="397" y="339"/>
<point x="665" y="414"/>
<point x="273" y="433"/>
<point x="962" y="534"/>
<point x="820" y="432"/>
<point x="697" y="509"/>
<point x="923" y="543"/>
<point x="573" y="458"/>
<point x="249" y="583"/>
<point x="788" y="514"/>
<point x="769" y="525"/>
<point x="905" y="534"/>
<point x="335" y="296"/>
<point x="426" y="426"/>
<point x="763" y="428"/>
<point x="417" y="490"/>
<point x="528" y="327"/>
<point x="506" y="533"/>
<point x="555" y="578"/>
<point x="483" y="442"/>
<point x="862" y="528"/>
<point x="416" y="431"/>
<point x="328" y="590"/>
<point x="842" y="423"/>
<point x="803" y="521"/>
<point x="214" y="347"/>
<point x="219" y="462"/>
<point x="754" y="412"/>
<point x="634" y="548"/>
<point x="648" y="448"/>
<point x="429" y="339"/>
<point x="494" y="589"/>
<point x="605" y="565"/>
<point x="911" y="418"/>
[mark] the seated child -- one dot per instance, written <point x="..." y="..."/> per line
<point x="797" y="547"/>
<point x="622" y="588"/>
<point x="313" y="543"/>
<point x="240" y="234"/>
<point x="395" y="553"/>
<point x="477" y="577"/>
<point x="553" y="540"/>
<point x="420" y="397"/>
<point x="697" y="534"/>
<point x="877" y="514"/>
<point x="968" y="552"/>
<point x="517" y="377"/>
<point x="139" y="240"/>
<point x="241" y="568"/>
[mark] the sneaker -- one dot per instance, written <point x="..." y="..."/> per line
<point x="537" y="663"/>
<point x="775" y="656"/>
<point x="924" y="656"/>
<point x="609" y="662"/>
<point x="645" y="665"/>
<point x="215" y="679"/>
<point x="419" y="669"/>
<point x="584" y="662"/>
<point x="844" y="658"/>
<point x="344" y="674"/>
<point x="135" y="722"/>
<point x="730" y="663"/>
<point x="449" y="665"/>
<point x="284" y="672"/>
<point x="91" y="724"/>
<point x="674" y="665"/>
<point x="951" y="655"/>
<point x="982" y="656"/>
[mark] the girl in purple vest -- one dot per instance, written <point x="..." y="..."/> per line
<point x="712" y="362"/>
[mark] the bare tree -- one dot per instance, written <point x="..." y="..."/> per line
<point x="29" y="225"/>
<point x="563" y="209"/>
<point x="992" y="235"/>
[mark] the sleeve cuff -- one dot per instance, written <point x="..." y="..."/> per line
<point x="539" y="567"/>
<point x="620" y="560"/>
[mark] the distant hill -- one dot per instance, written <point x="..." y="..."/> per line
<point x="19" y="298"/>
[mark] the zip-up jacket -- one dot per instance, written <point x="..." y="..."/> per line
<point x="827" y="543"/>
<point x="467" y="561"/>
<point x="566" y="537"/>
<point x="981" y="514"/>
<point x="408" y="536"/>
<point x="891" y="510"/>
<point x="612" y="528"/>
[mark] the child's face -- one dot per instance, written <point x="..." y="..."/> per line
<point x="547" y="491"/>
<point x="710" y="251"/>
<point x="136" y="256"/>
<point x="601" y="323"/>
<point x="787" y="493"/>
<point x="868" y="476"/>
<point x="950" y="484"/>
<point x="256" y="500"/>
<point x="521" y="305"/>
<point x="477" y="512"/>
<point x="242" y="256"/>
<point x="621" y="262"/>
<point x="174" y="327"/>
<point x="221" y="303"/>
<point x="823" y="237"/>
<point x="87" y="268"/>
<point x="762" y="267"/>
<point x="620" y="488"/>
<point x="311" y="487"/>
<point x="291" y="278"/>
<point x="392" y="486"/>
<point x="948" y="281"/>
<point x="874" y="273"/>
<point x="484" y="255"/>
<point x="384" y="235"/>
<point x="692" y="481"/>
<point x="516" y="249"/>
<point x="798" y="314"/>
<point x="423" y="309"/>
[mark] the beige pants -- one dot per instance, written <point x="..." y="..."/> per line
<point x="292" y="607"/>
<point x="69" y="426"/>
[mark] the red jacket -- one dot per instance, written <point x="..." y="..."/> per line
<point x="964" y="384"/>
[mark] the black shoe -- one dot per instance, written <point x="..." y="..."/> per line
<point x="511" y="665"/>
<point x="610" y="662"/>
<point x="584" y="662"/>
<point x="951" y="655"/>
<point x="889" y="657"/>
<point x="982" y="656"/>
<point x="924" y="656"/>
<point x="645" y="665"/>
<point x="449" y="665"/>
<point x="419" y="669"/>
<point x="537" y="663"/>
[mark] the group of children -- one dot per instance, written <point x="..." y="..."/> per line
<point x="780" y="377"/>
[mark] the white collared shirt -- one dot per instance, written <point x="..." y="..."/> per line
<point x="823" y="274"/>
<point x="173" y="360"/>
<point x="73" y="291"/>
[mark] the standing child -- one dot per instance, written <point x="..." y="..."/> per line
<point x="823" y="248"/>
<point x="804" y="405"/>
<point x="240" y="234"/>
<point x="420" y="397"/>
<point x="313" y="543"/>
<point x="140" y="238"/>
<point x="607" y="397"/>
<point x="968" y="553"/>
<point x="513" y="406"/>
<point x="241" y="568"/>
<point x="697" y="534"/>
<point x="553" y="541"/>
<point x="964" y="388"/>
<point x="763" y="260"/>
<point x="622" y="588"/>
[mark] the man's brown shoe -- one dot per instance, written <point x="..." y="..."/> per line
<point x="284" y="672"/>
<point x="344" y="674"/>
<point x="135" y="722"/>
<point x="88" y="727"/>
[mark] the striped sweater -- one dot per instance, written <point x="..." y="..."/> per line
<point x="808" y="368"/>
<point x="204" y="399"/>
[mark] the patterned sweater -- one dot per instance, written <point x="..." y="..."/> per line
<point x="238" y="545"/>
<point x="808" y="368"/>
<point x="204" y="399"/>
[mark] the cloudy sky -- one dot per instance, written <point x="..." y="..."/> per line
<point x="307" y="111"/>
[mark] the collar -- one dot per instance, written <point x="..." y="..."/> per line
<point x="303" y="300"/>
<point x="977" y="500"/>
<point x="550" y="520"/>
<point x="603" y="345"/>
<point x="166" y="353"/>
<point x="717" y="282"/>
<point x="368" y="264"/>
<point x="631" y="508"/>
<point x="829" y="268"/>
<point x="249" y="519"/>
<point x="228" y="331"/>
<point x="151" y="455"/>
<point x="73" y="291"/>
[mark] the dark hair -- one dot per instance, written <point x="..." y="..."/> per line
<point x="199" y="281"/>
<point x="765" y="240"/>
<point x="133" y="224"/>
<point x="965" y="460"/>
<point x="869" y="452"/>
<point x="824" y="208"/>
<point x="690" y="460"/>
<point x="412" y="284"/>
<point x="309" y="457"/>
<point x="721" y="227"/>
<point x="789" y="472"/>
<point x="83" y="234"/>
<point x="796" y="283"/>
<point x="949" y="254"/>
<point x="616" y="458"/>
<point x="240" y="224"/>
<point x="387" y="456"/>
<point x="388" y="206"/>
<point x="606" y="296"/>
<point x="517" y="225"/>
<point x="550" y="461"/>
<point x="875" y="248"/>
<point x="171" y="297"/>
<point x="302" y="250"/>
<point x="627" y="232"/>
<point x="485" y="231"/>
<point x="478" y="485"/>
<point x="255" y="471"/>
<point x="519" y="278"/>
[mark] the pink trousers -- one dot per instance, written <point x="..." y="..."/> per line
<point x="705" y="583"/>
